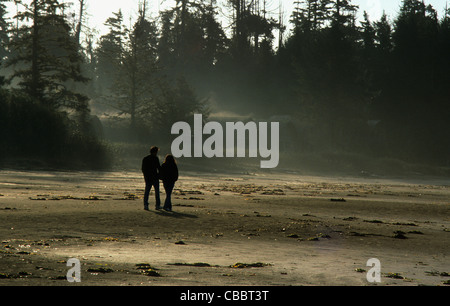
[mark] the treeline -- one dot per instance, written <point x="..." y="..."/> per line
<point x="373" y="87"/>
<point x="44" y="119"/>
<point x="378" y="87"/>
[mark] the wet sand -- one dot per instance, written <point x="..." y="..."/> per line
<point x="265" y="229"/>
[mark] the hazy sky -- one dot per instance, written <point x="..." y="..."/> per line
<point x="100" y="10"/>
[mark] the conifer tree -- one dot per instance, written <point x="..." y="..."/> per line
<point x="45" y="57"/>
<point x="110" y="53"/>
<point x="368" y="33"/>
<point x="383" y="34"/>
<point x="311" y="14"/>
<point x="343" y="13"/>
<point x="191" y="39"/>
<point x="135" y="83"/>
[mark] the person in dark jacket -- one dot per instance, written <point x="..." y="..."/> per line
<point x="151" y="170"/>
<point x="169" y="175"/>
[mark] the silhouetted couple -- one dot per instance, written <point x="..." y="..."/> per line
<point x="153" y="172"/>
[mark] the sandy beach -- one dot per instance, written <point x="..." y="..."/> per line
<point x="249" y="229"/>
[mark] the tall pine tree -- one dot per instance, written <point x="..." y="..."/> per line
<point x="46" y="59"/>
<point x="110" y="53"/>
<point x="134" y="87"/>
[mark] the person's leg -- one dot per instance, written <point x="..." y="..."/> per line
<point x="157" y="197"/>
<point x="148" y="186"/>
<point x="168" y="203"/>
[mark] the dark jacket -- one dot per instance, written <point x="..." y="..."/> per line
<point x="151" y="168"/>
<point x="169" y="172"/>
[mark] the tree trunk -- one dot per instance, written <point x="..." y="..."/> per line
<point x="133" y="83"/>
<point x="79" y="25"/>
<point x="34" y="86"/>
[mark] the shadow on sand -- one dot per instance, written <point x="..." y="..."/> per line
<point x="172" y="214"/>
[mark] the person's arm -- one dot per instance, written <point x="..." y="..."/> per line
<point x="143" y="166"/>
<point x="158" y="169"/>
<point x="162" y="172"/>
